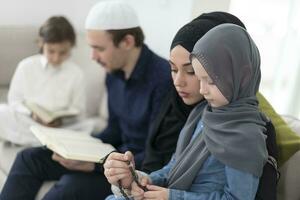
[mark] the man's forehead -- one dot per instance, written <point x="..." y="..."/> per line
<point x="99" y="36"/>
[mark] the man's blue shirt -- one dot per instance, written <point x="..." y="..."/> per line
<point x="134" y="103"/>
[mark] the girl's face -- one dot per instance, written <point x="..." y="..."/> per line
<point x="183" y="75"/>
<point x="207" y="87"/>
<point x="56" y="53"/>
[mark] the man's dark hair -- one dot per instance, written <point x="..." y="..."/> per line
<point x="57" y="29"/>
<point x="118" y="35"/>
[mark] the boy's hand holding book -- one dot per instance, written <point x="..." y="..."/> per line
<point x="50" y="118"/>
<point x="55" y="123"/>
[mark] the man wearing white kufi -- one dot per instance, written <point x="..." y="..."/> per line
<point x="137" y="79"/>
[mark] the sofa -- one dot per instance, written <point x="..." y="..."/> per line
<point x="19" y="42"/>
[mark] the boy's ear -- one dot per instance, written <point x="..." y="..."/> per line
<point x="128" y="42"/>
<point x="40" y="43"/>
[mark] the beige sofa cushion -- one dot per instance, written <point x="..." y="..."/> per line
<point x="289" y="183"/>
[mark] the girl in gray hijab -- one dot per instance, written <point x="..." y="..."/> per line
<point x="224" y="156"/>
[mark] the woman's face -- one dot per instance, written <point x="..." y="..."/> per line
<point x="207" y="87"/>
<point x="183" y="75"/>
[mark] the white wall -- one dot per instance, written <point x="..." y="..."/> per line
<point x="201" y="6"/>
<point x="160" y="19"/>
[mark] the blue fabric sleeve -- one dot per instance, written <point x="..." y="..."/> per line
<point x="239" y="186"/>
<point x="160" y="177"/>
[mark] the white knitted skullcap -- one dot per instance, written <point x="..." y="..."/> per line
<point x="111" y="15"/>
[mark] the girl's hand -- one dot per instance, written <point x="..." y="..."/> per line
<point x="156" y="192"/>
<point x="137" y="192"/>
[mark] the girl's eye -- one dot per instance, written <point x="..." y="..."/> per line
<point x="210" y="82"/>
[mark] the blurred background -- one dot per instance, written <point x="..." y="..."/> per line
<point x="273" y="24"/>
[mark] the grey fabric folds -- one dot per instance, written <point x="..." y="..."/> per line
<point x="233" y="133"/>
<point x="189" y="155"/>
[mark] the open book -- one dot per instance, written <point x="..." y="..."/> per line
<point x="72" y="145"/>
<point x="49" y="116"/>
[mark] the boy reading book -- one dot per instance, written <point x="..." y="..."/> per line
<point x="48" y="79"/>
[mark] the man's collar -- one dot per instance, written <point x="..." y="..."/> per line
<point x="140" y="69"/>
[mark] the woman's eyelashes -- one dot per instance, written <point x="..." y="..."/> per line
<point x="210" y="82"/>
<point x="206" y="80"/>
<point x="185" y="68"/>
<point x="191" y="72"/>
<point x="188" y="72"/>
<point x="174" y="70"/>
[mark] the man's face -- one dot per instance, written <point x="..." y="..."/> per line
<point x="104" y="51"/>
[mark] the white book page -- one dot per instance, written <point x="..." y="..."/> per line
<point x="72" y="144"/>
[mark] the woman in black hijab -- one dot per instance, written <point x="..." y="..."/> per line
<point x="175" y="109"/>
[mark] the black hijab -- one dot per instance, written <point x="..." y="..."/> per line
<point x="162" y="140"/>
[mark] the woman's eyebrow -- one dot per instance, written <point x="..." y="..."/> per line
<point x="184" y="64"/>
<point x="171" y="62"/>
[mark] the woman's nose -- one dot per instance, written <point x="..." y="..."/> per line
<point x="179" y="80"/>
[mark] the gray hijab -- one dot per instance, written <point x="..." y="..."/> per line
<point x="233" y="133"/>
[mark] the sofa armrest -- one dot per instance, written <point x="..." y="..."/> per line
<point x="289" y="182"/>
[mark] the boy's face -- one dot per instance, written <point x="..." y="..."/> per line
<point x="104" y="51"/>
<point x="56" y="53"/>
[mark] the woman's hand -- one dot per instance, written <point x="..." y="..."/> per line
<point x="116" y="169"/>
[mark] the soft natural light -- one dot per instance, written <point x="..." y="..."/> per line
<point x="275" y="27"/>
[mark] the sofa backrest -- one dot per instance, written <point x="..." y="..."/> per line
<point x="19" y="42"/>
<point x="16" y="43"/>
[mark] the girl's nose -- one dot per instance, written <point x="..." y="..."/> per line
<point x="203" y="87"/>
